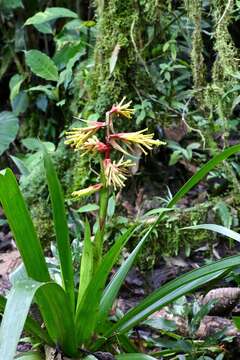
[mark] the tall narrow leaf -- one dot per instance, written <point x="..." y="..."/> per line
<point x="17" y="307"/>
<point x="32" y="327"/>
<point x="55" y="311"/>
<point x="22" y="227"/>
<point x="61" y="227"/>
<point x="172" y="290"/>
<point x="204" y="170"/>
<point x="222" y="230"/>
<point x="111" y="291"/>
<point x="87" y="312"/>
<point x="86" y="270"/>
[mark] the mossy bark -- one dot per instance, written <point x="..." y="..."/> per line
<point x="121" y="39"/>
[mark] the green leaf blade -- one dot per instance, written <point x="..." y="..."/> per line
<point x="16" y="310"/>
<point x="50" y="14"/>
<point x="8" y="129"/>
<point x="222" y="230"/>
<point x="174" y="289"/>
<point x="41" y="65"/>
<point x="87" y="312"/>
<point x="22" y="227"/>
<point x="200" y="174"/>
<point x="61" y="227"/>
<point x="86" y="270"/>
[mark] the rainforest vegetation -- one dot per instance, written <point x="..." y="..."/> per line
<point x="119" y="179"/>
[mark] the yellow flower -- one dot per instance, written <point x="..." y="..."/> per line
<point x="123" y="109"/>
<point x="138" y="138"/>
<point x="87" y="191"/>
<point x="94" y="145"/>
<point x="76" y="137"/>
<point x="116" y="173"/>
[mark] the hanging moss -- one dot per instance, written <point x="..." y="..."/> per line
<point x="121" y="35"/>
<point x="194" y="9"/>
<point x="226" y="63"/>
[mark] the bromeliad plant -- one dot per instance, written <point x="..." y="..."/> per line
<point x="76" y="321"/>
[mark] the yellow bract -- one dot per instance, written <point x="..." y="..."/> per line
<point x="123" y="109"/>
<point x="87" y="191"/>
<point x="76" y="137"/>
<point x="138" y="138"/>
<point x="116" y="173"/>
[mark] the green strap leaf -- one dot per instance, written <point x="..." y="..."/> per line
<point x="172" y="290"/>
<point x="61" y="227"/>
<point x="22" y="227"/>
<point x="200" y="174"/>
<point x="135" y="356"/>
<point x="86" y="270"/>
<point x="16" y="310"/>
<point x="86" y="315"/>
<point x="111" y="291"/>
<point x="31" y="326"/>
<point x="54" y="308"/>
<point x="222" y="230"/>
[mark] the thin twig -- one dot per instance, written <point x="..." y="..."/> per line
<point x="190" y="127"/>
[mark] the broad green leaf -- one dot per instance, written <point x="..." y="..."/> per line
<point x="86" y="315"/>
<point x="44" y="28"/>
<point x="34" y="144"/>
<point x="111" y="206"/>
<point x="20" y="103"/>
<point x="8" y="129"/>
<point x="49" y="90"/>
<point x="61" y="227"/>
<point x="66" y="75"/>
<point x="88" y="208"/>
<point x="216" y="228"/>
<point x="15" y="84"/>
<point x="86" y="270"/>
<point x="11" y="4"/>
<point x="224" y="213"/>
<point x="66" y="53"/>
<point x="160" y="323"/>
<point x="173" y="290"/>
<point x="22" y="227"/>
<point x="135" y="356"/>
<point x="202" y="172"/>
<point x="41" y="65"/>
<point x="52" y="13"/>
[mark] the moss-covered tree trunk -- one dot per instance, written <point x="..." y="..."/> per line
<point x="121" y="45"/>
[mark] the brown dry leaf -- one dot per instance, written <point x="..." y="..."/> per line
<point x="113" y="59"/>
<point x="227" y="299"/>
<point x="210" y="325"/>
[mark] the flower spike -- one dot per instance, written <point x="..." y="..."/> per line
<point x="87" y="191"/>
<point x="123" y="109"/>
<point x="138" y="138"/>
<point x="94" y="145"/>
<point x="116" y="173"/>
<point x="76" y="137"/>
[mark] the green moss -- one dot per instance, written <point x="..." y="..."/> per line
<point x="120" y="24"/>
<point x="168" y="239"/>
